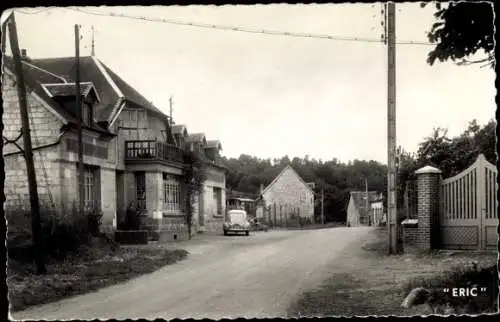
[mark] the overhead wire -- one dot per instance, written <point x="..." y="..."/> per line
<point x="254" y="30"/>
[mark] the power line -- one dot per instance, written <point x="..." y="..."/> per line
<point x="253" y="30"/>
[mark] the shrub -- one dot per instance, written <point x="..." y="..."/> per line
<point x="61" y="235"/>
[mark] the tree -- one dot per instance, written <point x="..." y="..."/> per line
<point x="194" y="178"/>
<point x="461" y="30"/>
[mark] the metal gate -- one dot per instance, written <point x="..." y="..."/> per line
<point x="469" y="208"/>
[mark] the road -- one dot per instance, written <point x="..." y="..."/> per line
<point x="223" y="277"/>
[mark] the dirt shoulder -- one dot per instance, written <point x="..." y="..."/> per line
<point x="81" y="273"/>
<point x="367" y="281"/>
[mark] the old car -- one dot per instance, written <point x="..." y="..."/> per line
<point x="236" y="222"/>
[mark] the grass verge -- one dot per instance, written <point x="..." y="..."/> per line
<point x="88" y="270"/>
<point x="366" y="281"/>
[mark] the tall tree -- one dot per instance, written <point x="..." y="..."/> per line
<point x="462" y="29"/>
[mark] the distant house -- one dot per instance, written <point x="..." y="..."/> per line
<point x="241" y="200"/>
<point x="132" y="154"/>
<point x="377" y="211"/>
<point x="359" y="208"/>
<point x="289" y="191"/>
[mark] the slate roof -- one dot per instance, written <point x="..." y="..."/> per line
<point x="178" y="129"/>
<point x="69" y="89"/>
<point x="34" y="77"/>
<point x="213" y="144"/>
<point x="62" y="69"/>
<point x="196" y="137"/>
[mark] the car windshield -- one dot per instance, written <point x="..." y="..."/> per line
<point x="237" y="217"/>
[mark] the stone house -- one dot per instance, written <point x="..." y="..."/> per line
<point x="131" y="153"/>
<point x="359" y="209"/>
<point x="289" y="192"/>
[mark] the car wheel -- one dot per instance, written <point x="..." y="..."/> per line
<point x="247" y="233"/>
<point x="225" y="233"/>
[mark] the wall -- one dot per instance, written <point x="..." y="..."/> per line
<point x="215" y="178"/>
<point x="352" y="214"/>
<point x="290" y="190"/>
<point x="45" y="129"/>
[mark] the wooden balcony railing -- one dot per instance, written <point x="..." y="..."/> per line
<point x="152" y="150"/>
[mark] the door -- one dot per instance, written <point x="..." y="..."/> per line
<point x="201" y="210"/>
<point x="120" y="197"/>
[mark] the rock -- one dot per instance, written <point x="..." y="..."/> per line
<point x="417" y="296"/>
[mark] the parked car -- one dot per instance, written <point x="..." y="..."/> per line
<point x="236" y="222"/>
<point x="258" y="224"/>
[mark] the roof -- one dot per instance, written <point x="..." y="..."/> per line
<point x="196" y="137"/>
<point x="179" y="129"/>
<point x="110" y="87"/>
<point x="213" y="144"/>
<point x="288" y="167"/>
<point x="69" y="89"/>
<point x="34" y="77"/>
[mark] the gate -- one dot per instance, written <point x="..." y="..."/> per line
<point x="468" y="216"/>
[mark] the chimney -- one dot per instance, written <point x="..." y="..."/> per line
<point x="23" y="54"/>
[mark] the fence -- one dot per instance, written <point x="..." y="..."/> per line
<point x="285" y="216"/>
<point x="456" y="213"/>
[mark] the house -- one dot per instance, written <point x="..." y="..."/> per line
<point x="377" y="211"/>
<point x="131" y="153"/>
<point x="241" y="200"/>
<point x="358" y="209"/>
<point x="289" y="192"/>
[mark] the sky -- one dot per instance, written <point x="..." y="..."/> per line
<point x="271" y="95"/>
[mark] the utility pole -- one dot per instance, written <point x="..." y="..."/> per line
<point x="81" y="187"/>
<point x="171" y="103"/>
<point x="36" y="226"/>
<point x="367" y="202"/>
<point x="322" y="206"/>
<point x="92" y="51"/>
<point x="393" y="222"/>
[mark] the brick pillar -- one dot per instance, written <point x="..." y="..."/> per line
<point x="429" y="184"/>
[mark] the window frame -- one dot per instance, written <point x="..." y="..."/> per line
<point x="172" y="193"/>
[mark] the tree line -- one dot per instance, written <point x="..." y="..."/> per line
<point x="247" y="173"/>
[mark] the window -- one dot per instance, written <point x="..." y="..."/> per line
<point x="87" y="114"/>
<point x="217" y="197"/>
<point x="90" y="185"/>
<point x="172" y="192"/>
<point x="140" y="182"/>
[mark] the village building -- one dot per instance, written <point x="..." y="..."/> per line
<point x="287" y="194"/>
<point x="359" y="208"/>
<point x="132" y="153"/>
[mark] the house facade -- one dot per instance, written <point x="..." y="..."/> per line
<point x="289" y="192"/>
<point x="359" y="208"/>
<point x="131" y="155"/>
<point x="377" y="212"/>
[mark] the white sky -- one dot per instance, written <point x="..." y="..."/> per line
<point x="274" y="95"/>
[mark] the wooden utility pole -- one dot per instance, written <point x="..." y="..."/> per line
<point x="92" y="50"/>
<point x="367" y="202"/>
<point x="171" y="103"/>
<point x="393" y="222"/>
<point x="322" y="206"/>
<point x="81" y="182"/>
<point x="36" y="226"/>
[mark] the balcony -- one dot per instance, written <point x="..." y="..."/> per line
<point x="152" y="150"/>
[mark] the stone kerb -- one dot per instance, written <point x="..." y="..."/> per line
<point x="428" y="191"/>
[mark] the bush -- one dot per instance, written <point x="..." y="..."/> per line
<point x="60" y="235"/>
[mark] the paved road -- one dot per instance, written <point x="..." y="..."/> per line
<point x="223" y="277"/>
